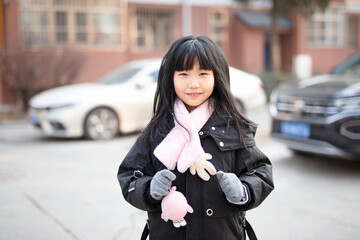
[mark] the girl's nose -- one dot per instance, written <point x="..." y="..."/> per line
<point x="194" y="83"/>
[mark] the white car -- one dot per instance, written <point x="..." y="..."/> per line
<point x="121" y="102"/>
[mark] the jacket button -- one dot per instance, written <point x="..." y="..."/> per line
<point x="213" y="128"/>
<point x="201" y="133"/>
<point x="209" y="212"/>
<point x="221" y="144"/>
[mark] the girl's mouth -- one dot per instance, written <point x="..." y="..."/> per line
<point x="193" y="94"/>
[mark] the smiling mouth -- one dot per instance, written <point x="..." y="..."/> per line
<point x="193" y="94"/>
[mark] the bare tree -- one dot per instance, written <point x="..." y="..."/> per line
<point x="29" y="72"/>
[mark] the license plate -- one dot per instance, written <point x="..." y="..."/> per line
<point x="294" y="129"/>
<point x="34" y="119"/>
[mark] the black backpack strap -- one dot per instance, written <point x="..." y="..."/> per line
<point x="248" y="228"/>
<point x="250" y="231"/>
<point x="146" y="231"/>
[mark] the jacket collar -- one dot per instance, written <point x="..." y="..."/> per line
<point x="225" y="133"/>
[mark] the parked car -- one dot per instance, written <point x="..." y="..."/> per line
<point x="320" y="115"/>
<point x="120" y="102"/>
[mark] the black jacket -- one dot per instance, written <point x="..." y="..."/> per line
<point x="214" y="218"/>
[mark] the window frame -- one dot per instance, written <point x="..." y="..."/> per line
<point x="163" y="38"/>
<point x="221" y="38"/>
<point x="88" y="8"/>
<point x="326" y="29"/>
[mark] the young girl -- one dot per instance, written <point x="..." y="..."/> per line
<point x="199" y="142"/>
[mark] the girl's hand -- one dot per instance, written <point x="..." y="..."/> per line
<point x="201" y="165"/>
<point x="231" y="185"/>
<point x="161" y="183"/>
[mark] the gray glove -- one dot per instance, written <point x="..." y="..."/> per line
<point x="161" y="183"/>
<point x="231" y="185"/>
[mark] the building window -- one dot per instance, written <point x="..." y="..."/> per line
<point x="73" y="22"/>
<point x="153" y="29"/>
<point x="218" y="24"/>
<point x="352" y="32"/>
<point x="326" y="29"/>
<point x="34" y="23"/>
<point x="61" y="29"/>
<point x="81" y="27"/>
<point x="105" y="25"/>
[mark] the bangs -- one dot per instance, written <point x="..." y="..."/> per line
<point x="188" y="52"/>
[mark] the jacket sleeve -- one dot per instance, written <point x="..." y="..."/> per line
<point x="135" y="185"/>
<point x="255" y="172"/>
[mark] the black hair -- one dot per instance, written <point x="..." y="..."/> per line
<point x="181" y="56"/>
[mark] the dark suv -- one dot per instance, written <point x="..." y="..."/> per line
<point x="320" y="114"/>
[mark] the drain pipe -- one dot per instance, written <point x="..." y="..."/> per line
<point x="186" y="18"/>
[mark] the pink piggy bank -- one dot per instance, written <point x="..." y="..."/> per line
<point x="174" y="206"/>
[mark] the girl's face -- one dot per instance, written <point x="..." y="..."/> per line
<point x="194" y="86"/>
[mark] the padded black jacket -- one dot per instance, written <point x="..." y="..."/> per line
<point x="214" y="218"/>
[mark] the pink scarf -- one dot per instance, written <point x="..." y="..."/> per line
<point x="182" y="147"/>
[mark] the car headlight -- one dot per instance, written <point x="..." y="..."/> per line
<point x="52" y="106"/>
<point x="273" y="99"/>
<point x="61" y="105"/>
<point x="348" y="104"/>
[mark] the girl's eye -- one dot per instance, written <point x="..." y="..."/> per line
<point x="183" y="74"/>
<point x="203" y="74"/>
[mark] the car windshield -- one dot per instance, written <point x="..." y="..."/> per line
<point x="121" y="75"/>
<point x="353" y="71"/>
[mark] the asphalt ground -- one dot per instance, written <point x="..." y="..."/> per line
<point x="60" y="189"/>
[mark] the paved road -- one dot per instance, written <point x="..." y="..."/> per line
<point x="57" y="189"/>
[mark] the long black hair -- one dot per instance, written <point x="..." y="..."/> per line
<point x="180" y="57"/>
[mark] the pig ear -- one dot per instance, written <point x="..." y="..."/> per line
<point x="190" y="209"/>
<point x="173" y="188"/>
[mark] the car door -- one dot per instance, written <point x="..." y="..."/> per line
<point x="139" y="102"/>
<point x="146" y="92"/>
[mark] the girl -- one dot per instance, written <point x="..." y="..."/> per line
<point x="199" y="142"/>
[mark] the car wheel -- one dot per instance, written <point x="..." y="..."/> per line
<point x="101" y="124"/>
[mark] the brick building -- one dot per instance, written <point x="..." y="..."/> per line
<point x="110" y="33"/>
